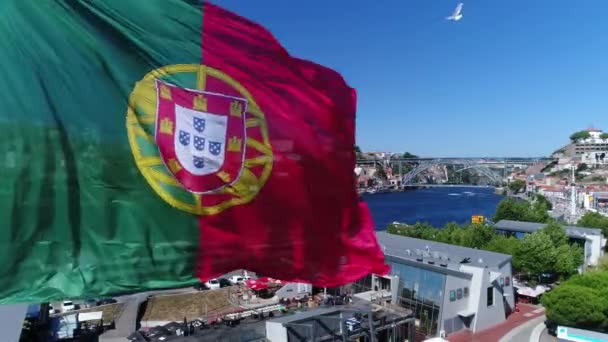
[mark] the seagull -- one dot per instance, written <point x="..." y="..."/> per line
<point x="457" y="15"/>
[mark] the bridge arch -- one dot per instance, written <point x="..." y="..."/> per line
<point x="483" y="170"/>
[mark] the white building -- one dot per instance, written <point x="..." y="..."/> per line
<point x="592" y="239"/>
<point x="593" y="150"/>
<point x="448" y="287"/>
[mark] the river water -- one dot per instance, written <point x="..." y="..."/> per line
<point x="436" y="206"/>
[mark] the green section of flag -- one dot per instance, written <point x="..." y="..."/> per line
<point x="78" y="218"/>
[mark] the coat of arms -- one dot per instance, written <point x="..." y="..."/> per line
<point x="200" y="136"/>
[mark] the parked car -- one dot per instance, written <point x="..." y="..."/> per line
<point x="104" y="301"/>
<point x="237" y="279"/>
<point x="90" y="303"/>
<point x="212" y="284"/>
<point x="224" y="282"/>
<point x="201" y="287"/>
<point x="68" y="305"/>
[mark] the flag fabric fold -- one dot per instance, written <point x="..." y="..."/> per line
<point x="150" y="145"/>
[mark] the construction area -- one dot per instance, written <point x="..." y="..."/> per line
<point x="236" y="314"/>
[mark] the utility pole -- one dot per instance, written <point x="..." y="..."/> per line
<point x="401" y="172"/>
<point x="573" y="194"/>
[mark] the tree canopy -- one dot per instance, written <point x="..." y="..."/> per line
<point x="540" y="199"/>
<point x="604" y="136"/>
<point x="409" y="155"/>
<point x="581" y="301"/>
<point x="547" y="250"/>
<point x="582" y="167"/>
<point x="535" y="254"/>
<point x="517" y="185"/>
<point x="594" y="220"/>
<point x="511" y="209"/>
<point x="579" y="135"/>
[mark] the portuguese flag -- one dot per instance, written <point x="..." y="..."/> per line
<point x="152" y="144"/>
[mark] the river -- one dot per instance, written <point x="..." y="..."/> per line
<point x="436" y="206"/>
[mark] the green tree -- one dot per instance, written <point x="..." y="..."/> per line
<point x="582" y="167"/>
<point x="508" y="209"/>
<point x="594" y="220"/>
<point x="511" y="209"/>
<point x="535" y="254"/>
<point x="542" y="199"/>
<point x="556" y="233"/>
<point x="517" y="185"/>
<point x="547" y="250"/>
<point x="595" y="280"/>
<point x="576" y="306"/>
<point x="536" y="212"/>
<point x="604" y="136"/>
<point x="579" y="135"/>
<point x="503" y="244"/>
<point x="358" y="152"/>
<point x="568" y="258"/>
<point x="419" y="230"/>
<point x="407" y="155"/>
<point x="477" y="235"/>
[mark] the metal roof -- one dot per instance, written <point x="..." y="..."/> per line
<point x="531" y="227"/>
<point x="11" y="321"/>
<point x="437" y="252"/>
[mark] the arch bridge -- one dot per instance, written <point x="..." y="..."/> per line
<point x="466" y="164"/>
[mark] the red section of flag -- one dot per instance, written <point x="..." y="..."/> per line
<point x="307" y="223"/>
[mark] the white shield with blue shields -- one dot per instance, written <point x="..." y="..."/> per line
<point x="199" y="140"/>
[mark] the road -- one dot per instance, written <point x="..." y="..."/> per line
<point x="545" y="337"/>
<point x="533" y="331"/>
<point x="126" y="322"/>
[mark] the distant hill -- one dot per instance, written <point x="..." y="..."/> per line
<point x="566" y="151"/>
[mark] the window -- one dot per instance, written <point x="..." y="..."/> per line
<point x="507" y="281"/>
<point x="452" y="295"/>
<point x="502" y="281"/>
<point x="459" y="294"/>
<point x="422" y="292"/>
<point x="490" y="296"/>
<point x="466" y="291"/>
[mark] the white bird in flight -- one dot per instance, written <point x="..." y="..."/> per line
<point x="457" y="15"/>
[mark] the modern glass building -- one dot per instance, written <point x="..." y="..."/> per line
<point x="448" y="287"/>
<point x="421" y="291"/>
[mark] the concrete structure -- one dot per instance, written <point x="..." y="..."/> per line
<point x="11" y="321"/>
<point x="362" y="321"/>
<point x="294" y="290"/>
<point x="448" y="287"/>
<point x="592" y="239"/>
<point x="596" y="200"/>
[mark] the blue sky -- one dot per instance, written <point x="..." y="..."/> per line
<point x="513" y="78"/>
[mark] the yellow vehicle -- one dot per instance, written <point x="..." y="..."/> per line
<point x="480" y="219"/>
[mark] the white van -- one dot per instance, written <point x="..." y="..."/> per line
<point x="213" y="284"/>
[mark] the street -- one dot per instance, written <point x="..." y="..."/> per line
<point x="532" y="331"/>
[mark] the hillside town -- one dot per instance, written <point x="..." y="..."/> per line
<point x="574" y="178"/>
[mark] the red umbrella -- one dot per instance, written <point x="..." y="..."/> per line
<point x="261" y="283"/>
